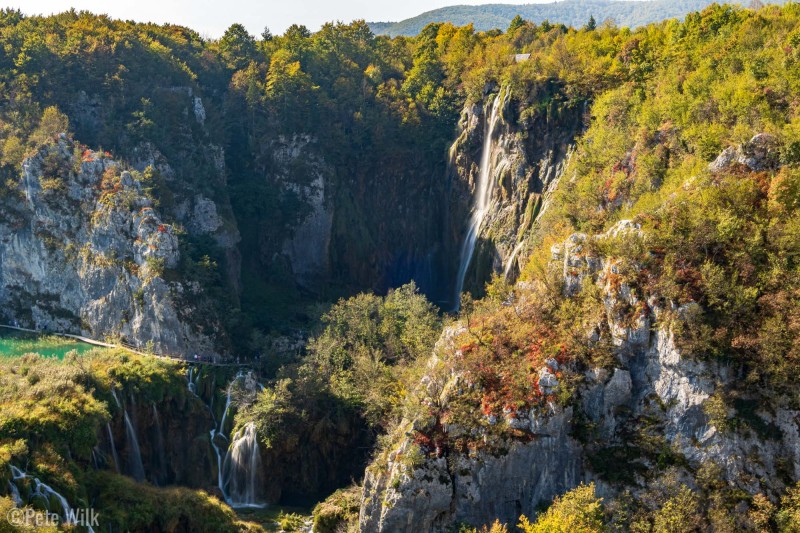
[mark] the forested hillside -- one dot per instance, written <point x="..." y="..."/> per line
<point x="573" y="13"/>
<point x="620" y="207"/>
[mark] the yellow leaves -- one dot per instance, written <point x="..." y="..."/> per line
<point x="52" y="123"/>
<point x="13" y="151"/>
<point x="577" y="511"/>
<point x="784" y="191"/>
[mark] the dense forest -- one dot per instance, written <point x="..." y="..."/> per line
<point x="674" y="220"/>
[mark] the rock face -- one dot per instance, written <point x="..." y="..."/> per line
<point x="654" y="379"/>
<point x="83" y="250"/>
<point x="308" y="249"/>
<point x="651" y="386"/>
<point x="530" y="150"/>
<point x="445" y="491"/>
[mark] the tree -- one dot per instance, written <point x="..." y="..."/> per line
<point x="577" y="511"/>
<point x="591" y="25"/>
<point x="237" y="46"/>
<point x="266" y="35"/>
<point x="52" y="123"/>
<point x="516" y="23"/>
<point x="679" y="514"/>
<point x="290" y="89"/>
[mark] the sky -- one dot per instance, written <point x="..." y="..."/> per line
<point x="211" y="17"/>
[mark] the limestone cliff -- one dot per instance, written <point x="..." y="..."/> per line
<point x="83" y="250"/>
<point x="440" y="492"/>
<point x="649" y="407"/>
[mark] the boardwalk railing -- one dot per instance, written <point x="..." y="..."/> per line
<point x="125" y="346"/>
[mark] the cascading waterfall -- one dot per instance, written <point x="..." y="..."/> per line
<point x="229" y="392"/>
<point x="45" y="492"/>
<point x="238" y="459"/>
<point x="483" y="198"/>
<point x="238" y="463"/>
<point x="15" y="495"/>
<point x="134" y="453"/>
<point x="242" y="469"/>
<point x="220" y="431"/>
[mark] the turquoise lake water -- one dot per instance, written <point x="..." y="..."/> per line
<point x="18" y="343"/>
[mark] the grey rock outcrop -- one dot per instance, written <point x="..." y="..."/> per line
<point x="85" y="251"/>
<point x="760" y="153"/>
<point x="308" y="247"/>
<point x="459" y="489"/>
<point x="655" y="379"/>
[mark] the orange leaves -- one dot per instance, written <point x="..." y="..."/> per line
<point x="505" y="366"/>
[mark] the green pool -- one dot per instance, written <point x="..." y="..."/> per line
<point x="18" y="343"/>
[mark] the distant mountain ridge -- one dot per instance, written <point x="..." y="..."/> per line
<point x="570" y="12"/>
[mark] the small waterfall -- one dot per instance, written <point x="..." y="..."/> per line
<point x="113" y="447"/>
<point x="512" y="257"/>
<point x="15" y="495"/>
<point x="135" y="465"/>
<point x="116" y="398"/>
<point x="192" y="375"/>
<point x="45" y="492"/>
<point x="483" y="198"/>
<point x="242" y="469"/>
<point x="227" y="404"/>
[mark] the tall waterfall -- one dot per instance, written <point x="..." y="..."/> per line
<point x="482" y="199"/>
<point x="242" y="469"/>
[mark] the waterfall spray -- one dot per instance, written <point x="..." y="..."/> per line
<point x="483" y="198"/>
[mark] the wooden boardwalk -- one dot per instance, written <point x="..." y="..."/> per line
<point x="126" y="347"/>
